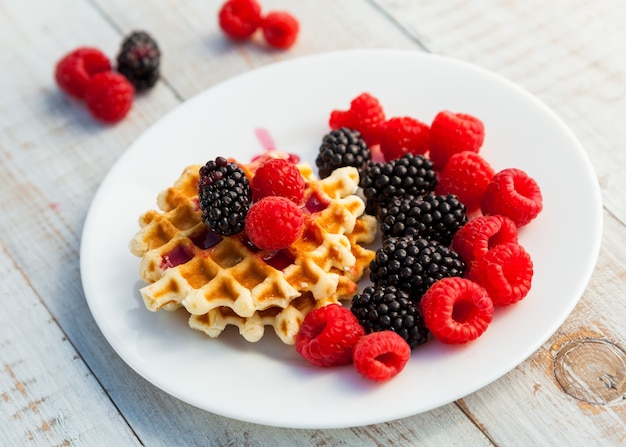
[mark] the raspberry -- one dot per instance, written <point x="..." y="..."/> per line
<point x="506" y="273"/>
<point x="365" y="115"/>
<point x="481" y="234"/>
<point x="451" y="133"/>
<point x="401" y="135"/>
<point x="466" y="175"/>
<point x="514" y="194"/>
<point x="239" y="19"/>
<point x="109" y="96"/>
<point x="456" y="310"/>
<point x="278" y="177"/>
<point x="280" y="29"/>
<point x="274" y="222"/>
<point x="328" y="335"/>
<point x="380" y="356"/>
<point x="74" y="70"/>
<point x="139" y="60"/>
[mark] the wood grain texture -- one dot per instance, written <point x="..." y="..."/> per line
<point x="61" y="383"/>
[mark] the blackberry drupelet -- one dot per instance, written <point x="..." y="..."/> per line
<point x="342" y="147"/>
<point x="431" y="216"/>
<point x="139" y="60"/>
<point x="224" y="196"/>
<point x="414" y="264"/>
<point x="410" y="174"/>
<point x="387" y="308"/>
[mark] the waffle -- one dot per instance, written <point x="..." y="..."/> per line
<point x="222" y="281"/>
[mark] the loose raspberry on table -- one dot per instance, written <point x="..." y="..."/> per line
<point x="328" y="335"/>
<point x="75" y="69"/>
<point x="380" y="356"/>
<point x="280" y="29"/>
<point x="466" y="175"/>
<point x="109" y="96"/>
<point x="239" y="19"/>
<point x="451" y="133"/>
<point x="278" y="177"/>
<point x="482" y="234"/>
<point x="274" y="223"/>
<point x="401" y="135"/>
<point x="513" y="193"/>
<point x="506" y="273"/>
<point x="365" y="115"/>
<point x="387" y="308"/>
<point x="456" y="310"/>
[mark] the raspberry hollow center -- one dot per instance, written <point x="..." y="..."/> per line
<point x="463" y="311"/>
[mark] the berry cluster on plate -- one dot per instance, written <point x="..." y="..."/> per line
<point x="449" y="226"/>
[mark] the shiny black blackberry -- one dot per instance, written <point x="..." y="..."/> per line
<point x="387" y="308"/>
<point x="342" y="147"/>
<point x="414" y="264"/>
<point x="412" y="175"/>
<point x="139" y="60"/>
<point x="431" y="216"/>
<point x="224" y="196"/>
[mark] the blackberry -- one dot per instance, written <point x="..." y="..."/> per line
<point x="386" y="308"/>
<point x="139" y="60"/>
<point x="414" y="264"/>
<point x="410" y="174"/>
<point x="432" y="216"/>
<point x="342" y="147"/>
<point x="224" y="196"/>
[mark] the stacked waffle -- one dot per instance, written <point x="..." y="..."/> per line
<point x="226" y="280"/>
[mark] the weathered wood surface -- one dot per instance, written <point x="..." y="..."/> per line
<point x="61" y="383"/>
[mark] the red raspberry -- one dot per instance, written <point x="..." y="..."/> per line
<point x="482" y="234"/>
<point x="273" y="223"/>
<point x="401" y="135"/>
<point x="328" y="335"/>
<point x="239" y="19"/>
<point x="365" y="115"/>
<point x="278" y="177"/>
<point x="380" y="356"/>
<point x="456" y="310"/>
<point x="451" y="133"/>
<point x="466" y="175"/>
<point x="514" y="194"/>
<point x="75" y="69"/>
<point x="506" y="273"/>
<point x="109" y="96"/>
<point x="280" y="29"/>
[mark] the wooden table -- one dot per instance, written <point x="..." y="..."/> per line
<point x="61" y="384"/>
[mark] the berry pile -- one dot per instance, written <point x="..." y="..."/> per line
<point x="240" y="19"/>
<point x="449" y="223"/>
<point x="267" y="207"/>
<point x="87" y="74"/>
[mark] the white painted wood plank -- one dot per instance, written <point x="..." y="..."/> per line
<point x="47" y="394"/>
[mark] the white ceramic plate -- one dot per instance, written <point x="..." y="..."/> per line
<point x="267" y="382"/>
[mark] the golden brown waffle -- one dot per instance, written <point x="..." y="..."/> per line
<point x="224" y="281"/>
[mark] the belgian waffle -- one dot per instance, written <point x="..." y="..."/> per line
<point x="224" y="281"/>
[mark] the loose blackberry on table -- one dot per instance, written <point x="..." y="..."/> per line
<point x="139" y="60"/>
<point x="433" y="216"/>
<point x="414" y="264"/>
<point x="412" y="175"/>
<point x="387" y="308"/>
<point x="224" y="196"/>
<point x="342" y="147"/>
